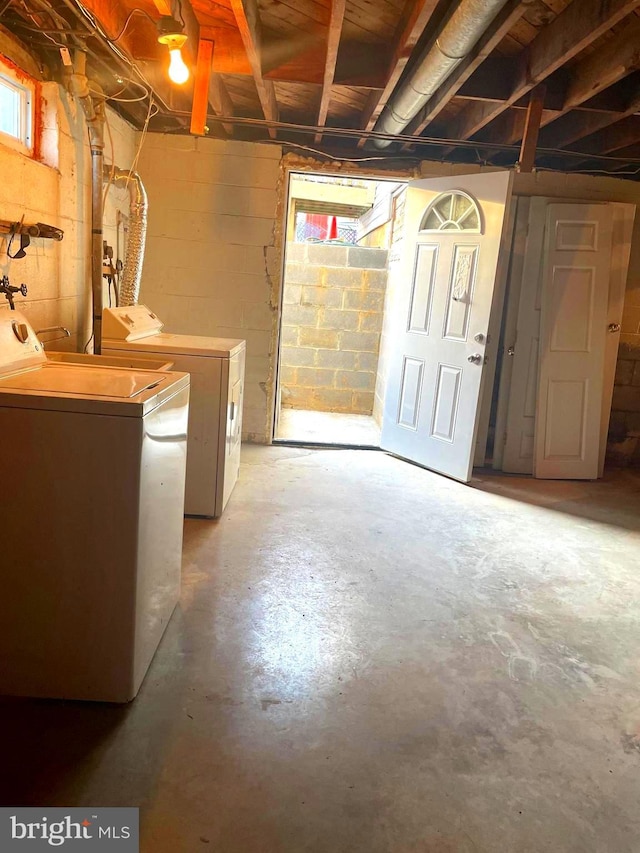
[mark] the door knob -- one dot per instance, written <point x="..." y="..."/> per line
<point x="614" y="327"/>
<point x="511" y="350"/>
<point x="476" y="358"/>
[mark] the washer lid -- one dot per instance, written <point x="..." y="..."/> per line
<point x="166" y="342"/>
<point x="82" y="381"/>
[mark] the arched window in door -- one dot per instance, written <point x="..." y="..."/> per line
<point x="453" y="211"/>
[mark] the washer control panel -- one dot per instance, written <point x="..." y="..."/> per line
<point x="129" y="323"/>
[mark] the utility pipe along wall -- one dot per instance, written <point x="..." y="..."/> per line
<point x="454" y="42"/>
<point x="94" y="113"/>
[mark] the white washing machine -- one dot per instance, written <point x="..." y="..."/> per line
<point x="92" y="464"/>
<point x="216" y="366"/>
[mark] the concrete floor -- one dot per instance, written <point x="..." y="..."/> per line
<point x="369" y="657"/>
<point x="328" y="428"/>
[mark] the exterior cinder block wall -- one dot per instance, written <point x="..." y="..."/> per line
<point x="57" y="192"/>
<point x="331" y="324"/>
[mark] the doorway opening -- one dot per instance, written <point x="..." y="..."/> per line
<point x="340" y="234"/>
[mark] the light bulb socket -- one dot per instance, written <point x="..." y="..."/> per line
<point x="170" y="32"/>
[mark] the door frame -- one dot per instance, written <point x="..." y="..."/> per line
<point x="294" y="165"/>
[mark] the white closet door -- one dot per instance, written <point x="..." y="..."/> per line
<point x="573" y="330"/>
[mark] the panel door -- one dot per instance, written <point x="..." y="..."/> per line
<point x="440" y="318"/>
<point x="573" y="330"/>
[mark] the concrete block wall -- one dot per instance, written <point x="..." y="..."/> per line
<point x="210" y="259"/>
<point x="624" y="429"/>
<point x="57" y="192"/>
<point x="333" y="301"/>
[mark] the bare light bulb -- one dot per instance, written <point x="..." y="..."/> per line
<point x="178" y="71"/>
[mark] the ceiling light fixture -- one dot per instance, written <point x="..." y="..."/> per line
<point x="171" y="35"/>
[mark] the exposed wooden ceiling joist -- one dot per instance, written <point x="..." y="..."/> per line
<point x="333" y="42"/>
<point x="334" y="62"/>
<point x="618" y="136"/>
<point x="577" y="125"/>
<point x="248" y="20"/>
<point x="577" y="27"/>
<point x="619" y="57"/>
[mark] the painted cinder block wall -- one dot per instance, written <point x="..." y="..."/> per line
<point x="331" y="323"/>
<point x="210" y="262"/>
<point x="57" y="192"/>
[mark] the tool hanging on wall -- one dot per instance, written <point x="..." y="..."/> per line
<point x="27" y="232"/>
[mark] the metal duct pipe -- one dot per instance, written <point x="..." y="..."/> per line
<point x="129" y="290"/>
<point x="94" y="112"/>
<point x="454" y="42"/>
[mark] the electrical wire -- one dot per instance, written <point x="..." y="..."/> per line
<point x="130" y="16"/>
<point x="285" y="144"/>
<point x="180" y="14"/>
<point x="86" y="346"/>
<point x="143" y="135"/>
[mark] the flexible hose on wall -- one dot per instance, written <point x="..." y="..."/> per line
<point x="129" y="290"/>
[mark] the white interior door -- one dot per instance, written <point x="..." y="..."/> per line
<point x="440" y="319"/>
<point x="573" y="331"/>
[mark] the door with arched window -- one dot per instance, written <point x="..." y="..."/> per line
<point x="440" y="319"/>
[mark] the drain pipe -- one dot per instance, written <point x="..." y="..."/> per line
<point x="94" y="113"/>
<point x="129" y="290"/>
<point x="453" y="43"/>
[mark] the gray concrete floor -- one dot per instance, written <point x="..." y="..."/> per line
<point x="369" y="657"/>
<point x="327" y="428"/>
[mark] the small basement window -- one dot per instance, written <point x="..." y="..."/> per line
<point x="16" y="113"/>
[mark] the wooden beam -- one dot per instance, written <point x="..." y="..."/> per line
<point x="619" y="57"/>
<point x="577" y="125"/>
<point x="200" y="105"/>
<point x="220" y="100"/>
<point x="248" y="20"/>
<point x="336" y="19"/>
<point x="578" y="26"/>
<point x="531" y="129"/>
<point x="497" y="30"/>
<point x="417" y="16"/>
<point x="621" y="135"/>
<point x="164" y="7"/>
